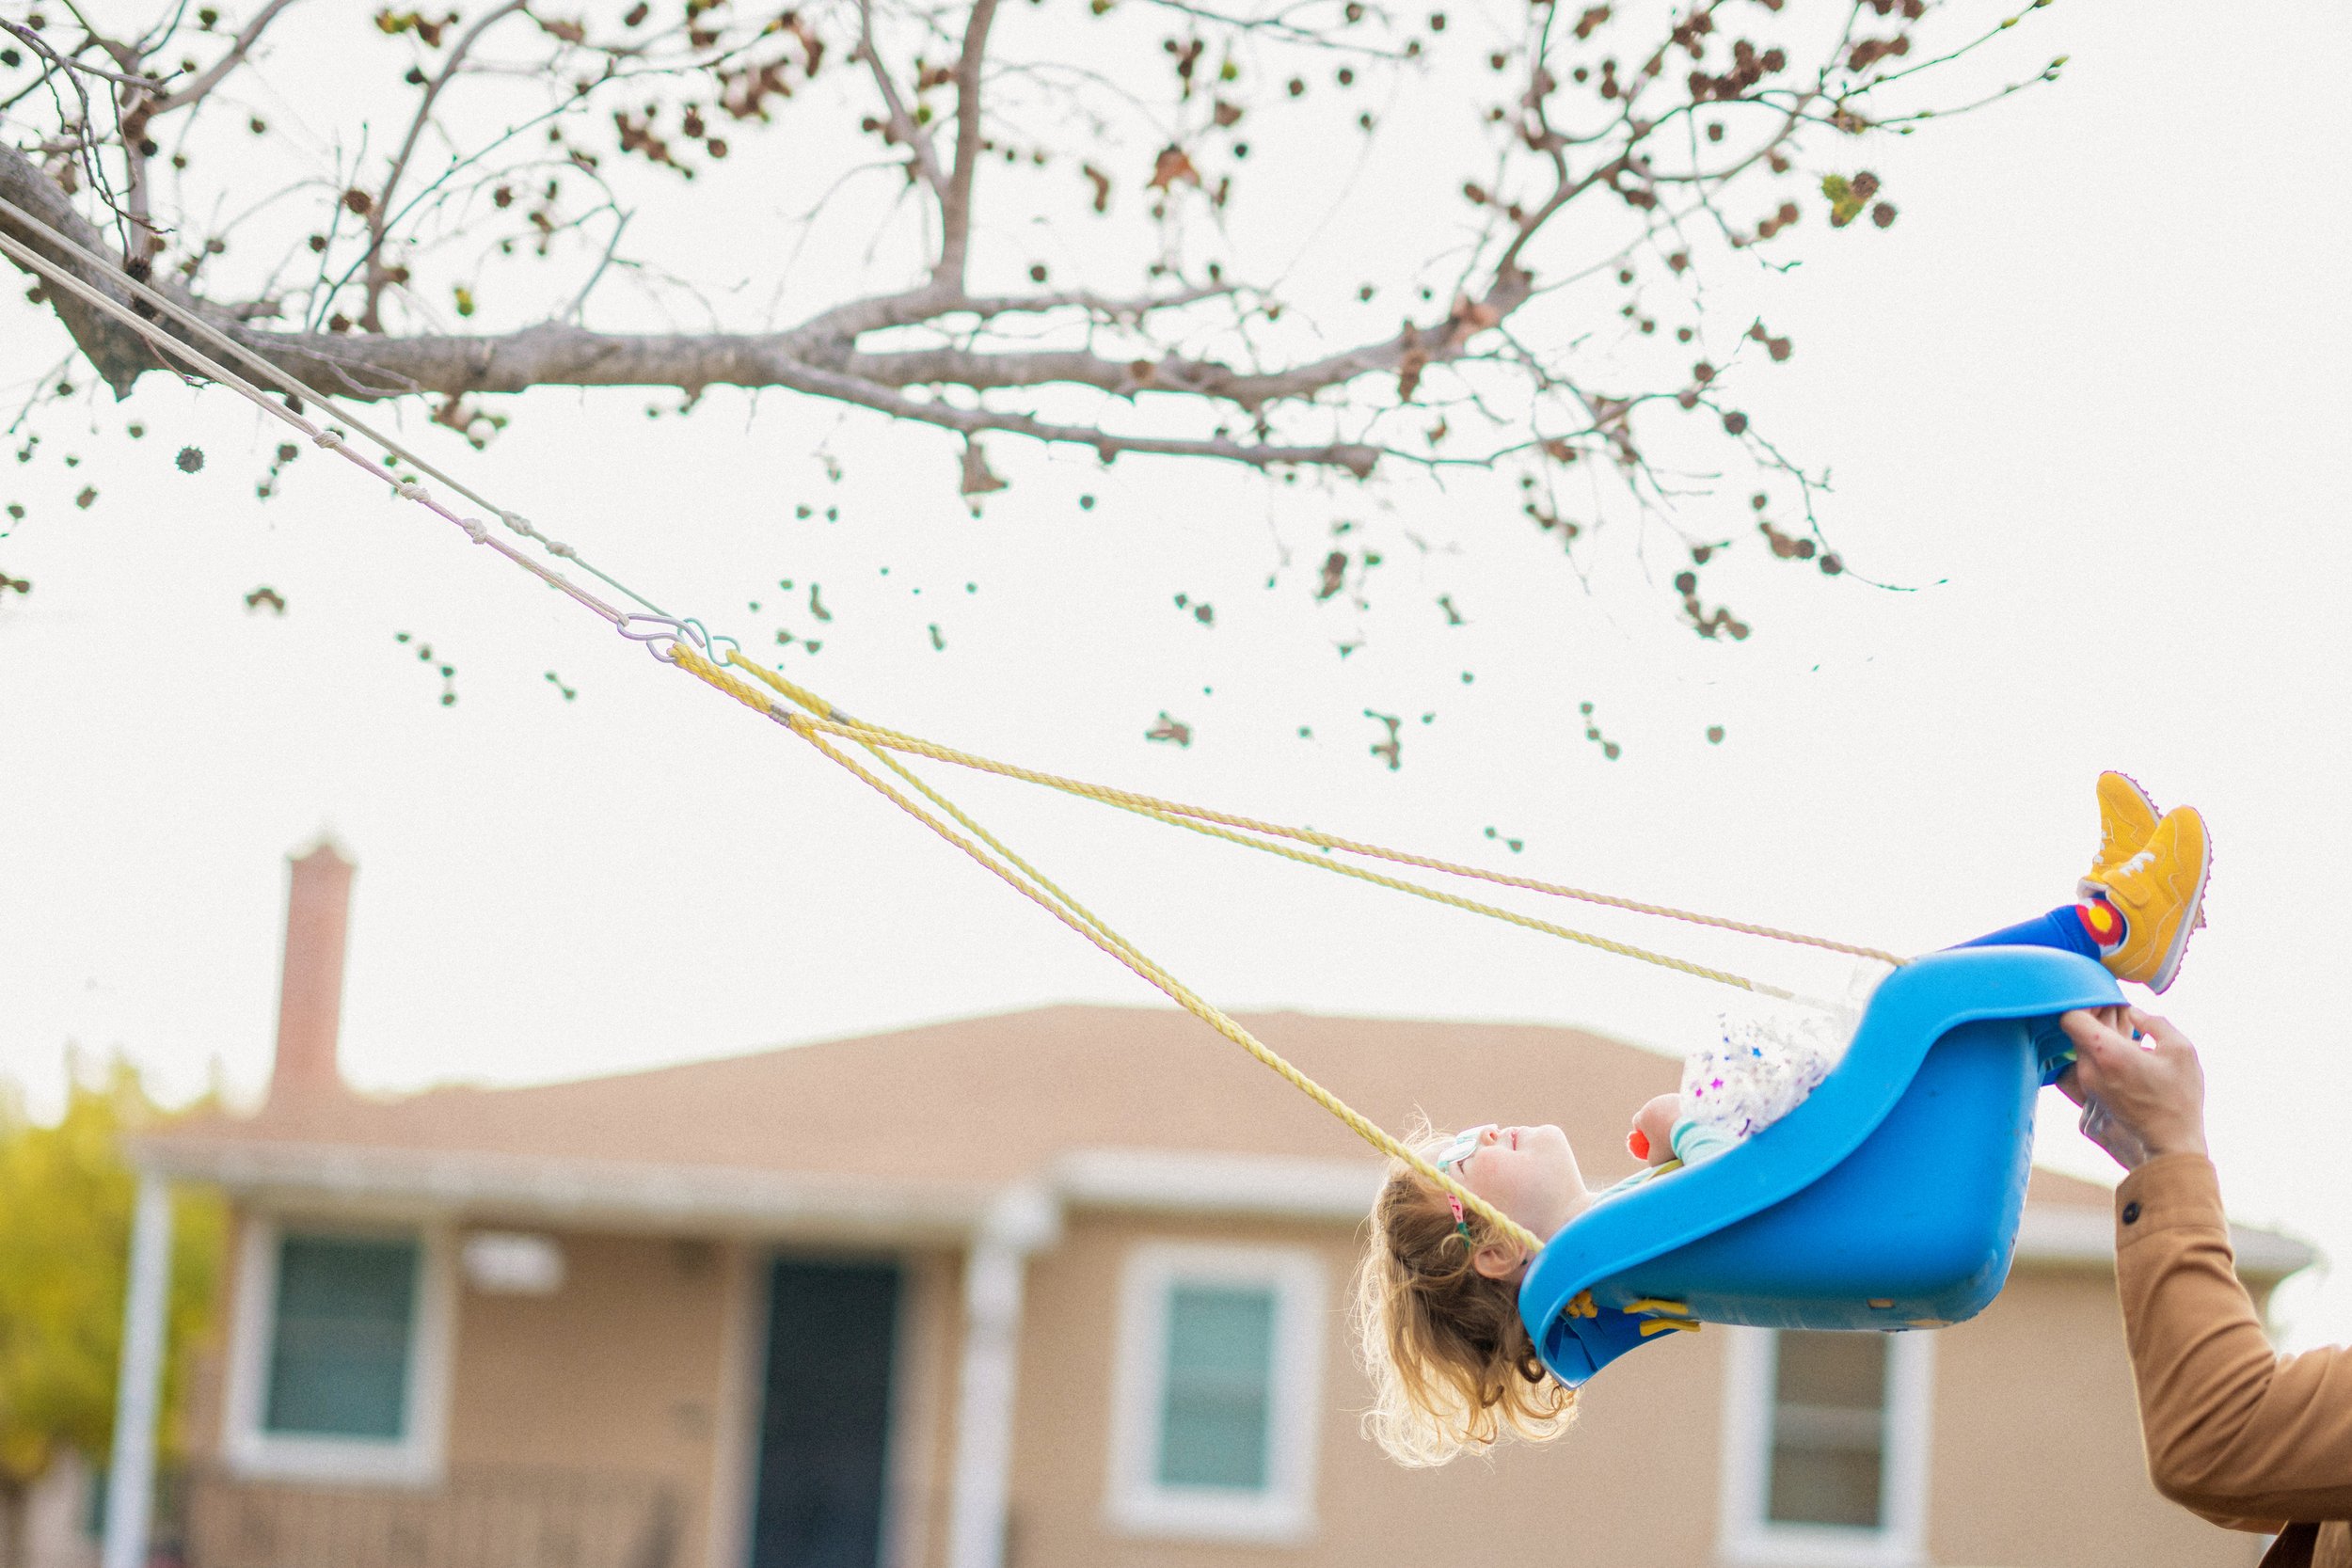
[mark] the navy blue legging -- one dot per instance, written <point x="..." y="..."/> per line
<point x="2061" y="928"/>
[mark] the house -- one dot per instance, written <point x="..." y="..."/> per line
<point x="1051" y="1289"/>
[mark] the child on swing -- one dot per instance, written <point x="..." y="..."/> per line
<point x="1437" y="1296"/>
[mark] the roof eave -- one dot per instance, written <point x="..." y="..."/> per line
<point x="617" y="1194"/>
<point x="2083" y="1238"/>
<point x="822" y="1205"/>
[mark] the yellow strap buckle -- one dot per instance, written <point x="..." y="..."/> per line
<point x="1667" y="1316"/>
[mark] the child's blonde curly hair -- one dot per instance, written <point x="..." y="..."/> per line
<point x="1451" y="1365"/>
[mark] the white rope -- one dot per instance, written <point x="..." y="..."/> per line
<point x="331" y="440"/>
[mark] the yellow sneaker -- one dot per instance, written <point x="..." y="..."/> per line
<point x="2158" y="890"/>
<point x="2127" y="819"/>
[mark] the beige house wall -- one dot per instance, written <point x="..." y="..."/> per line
<point x="2037" y="1458"/>
<point x="1651" y="1438"/>
<point x="206" y="1400"/>
<point x="2035" y="1461"/>
<point x="617" y="1373"/>
<point x="647" y="1363"/>
<point x="923" y="1415"/>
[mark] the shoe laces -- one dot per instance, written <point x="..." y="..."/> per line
<point x="2140" y="862"/>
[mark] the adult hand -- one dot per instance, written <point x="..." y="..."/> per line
<point x="2154" y="1095"/>
<point x="2121" y="1145"/>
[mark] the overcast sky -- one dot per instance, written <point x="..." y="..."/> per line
<point x="2086" y="396"/>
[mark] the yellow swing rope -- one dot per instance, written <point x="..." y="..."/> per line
<point x="824" y="719"/>
<point x="1033" y="885"/>
<point x="1180" y="815"/>
<point x="872" y="740"/>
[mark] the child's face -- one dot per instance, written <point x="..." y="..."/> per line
<point x="1529" y="1173"/>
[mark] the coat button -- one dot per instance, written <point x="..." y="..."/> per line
<point x="2131" y="1213"/>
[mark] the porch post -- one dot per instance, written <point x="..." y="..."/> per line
<point x="1017" y="1225"/>
<point x="139" y="1378"/>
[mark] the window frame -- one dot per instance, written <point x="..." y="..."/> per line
<point x="1139" y="1503"/>
<point x="415" y="1458"/>
<point x="1750" y="1538"/>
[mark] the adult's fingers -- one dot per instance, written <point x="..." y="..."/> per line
<point x="2105" y="1059"/>
<point x="2159" y="1029"/>
<point x="2089" y="1032"/>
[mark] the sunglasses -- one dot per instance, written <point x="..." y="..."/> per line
<point x="1458" y="1148"/>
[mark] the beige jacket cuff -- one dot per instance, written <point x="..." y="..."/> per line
<point x="2173" y="1192"/>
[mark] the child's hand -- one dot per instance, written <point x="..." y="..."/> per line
<point x="1652" y="1138"/>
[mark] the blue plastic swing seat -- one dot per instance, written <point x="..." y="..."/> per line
<point x="1888" y="1199"/>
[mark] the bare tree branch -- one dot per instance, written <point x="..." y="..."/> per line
<point x="41" y="47"/>
<point x="954" y="205"/>
<point x="118" y="355"/>
<point x="1642" y="117"/>
<point x="1355" y="457"/>
<point x="204" y="82"/>
<point x="901" y="124"/>
<point x="380" y="205"/>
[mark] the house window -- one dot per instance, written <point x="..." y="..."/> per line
<point x="340" y="1338"/>
<point x="1215" y="1401"/>
<point x="1217" y="1390"/>
<point x="338" y="1352"/>
<point x="1826" y="1457"/>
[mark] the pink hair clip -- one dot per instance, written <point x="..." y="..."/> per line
<point x="1463" y="1145"/>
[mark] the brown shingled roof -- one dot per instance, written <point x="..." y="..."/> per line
<point x="988" y="1100"/>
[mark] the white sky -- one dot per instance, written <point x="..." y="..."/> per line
<point x="2089" y="389"/>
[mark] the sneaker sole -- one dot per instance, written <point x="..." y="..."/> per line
<point x="2189" y="922"/>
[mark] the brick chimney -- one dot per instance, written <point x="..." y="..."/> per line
<point x="310" y="988"/>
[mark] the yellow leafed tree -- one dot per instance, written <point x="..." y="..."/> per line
<point x="66" y="1198"/>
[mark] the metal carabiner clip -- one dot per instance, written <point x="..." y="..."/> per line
<point x="662" y="629"/>
<point x="713" y="650"/>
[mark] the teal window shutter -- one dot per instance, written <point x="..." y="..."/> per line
<point x="339" y="1350"/>
<point x="1217" y="1403"/>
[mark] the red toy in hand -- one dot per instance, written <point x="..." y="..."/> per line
<point x="1652" y="1140"/>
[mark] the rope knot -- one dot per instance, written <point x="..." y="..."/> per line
<point x="557" y="546"/>
<point x="329" y="439"/>
<point x="519" y="523"/>
<point x="476" y="529"/>
<point x="410" y="490"/>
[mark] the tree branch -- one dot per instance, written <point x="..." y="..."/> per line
<point x="822" y="350"/>
<point x="120" y="356"/>
<point x="903" y="126"/>
<point x="40" y="46"/>
<point x="380" y="210"/>
<point x="955" y="206"/>
<point x="1355" y="457"/>
<point x="211" y="78"/>
<point x="845" y="322"/>
<point x="934" y="352"/>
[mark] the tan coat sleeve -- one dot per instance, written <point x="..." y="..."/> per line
<point x="2235" y="1432"/>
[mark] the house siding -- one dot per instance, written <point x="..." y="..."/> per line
<point x="619" y="1372"/>
<point x="2035" y="1461"/>
<point x="923" y="1406"/>
<point x="2037" y="1458"/>
<point x="637" y="1366"/>
<point x="1568" y="1503"/>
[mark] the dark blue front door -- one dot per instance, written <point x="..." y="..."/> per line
<point x="825" y="1422"/>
